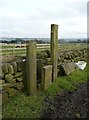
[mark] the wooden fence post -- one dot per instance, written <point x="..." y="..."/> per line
<point x="13" y="50"/>
<point x="54" y="50"/>
<point x="31" y="66"/>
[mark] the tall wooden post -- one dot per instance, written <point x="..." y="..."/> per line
<point x="31" y="66"/>
<point x="54" y="50"/>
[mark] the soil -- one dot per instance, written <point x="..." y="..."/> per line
<point x="68" y="104"/>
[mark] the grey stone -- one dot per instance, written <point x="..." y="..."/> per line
<point x="10" y="69"/>
<point x="14" y="64"/>
<point x="5" y="86"/>
<point x="11" y="92"/>
<point x="46" y="77"/>
<point x="19" y="86"/>
<point x="19" y="79"/>
<point x="8" y="77"/>
<point x="65" y="69"/>
<point x="68" y="67"/>
<point x="42" y="55"/>
<point x="18" y="74"/>
<point x="2" y="82"/>
<point x="5" y="68"/>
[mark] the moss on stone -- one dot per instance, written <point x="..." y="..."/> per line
<point x="5" y="68"/>
<point x="8" y="77"/>
<point x="19" y="79"/>
<point x="18" y="74"/>
<point x="2" y="82"/>
<point x="14" y="64"/>
<point x="10" y="69"/>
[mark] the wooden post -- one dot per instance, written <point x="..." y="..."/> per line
<point x="54" y="50"/>
<point x="31" y="66"/>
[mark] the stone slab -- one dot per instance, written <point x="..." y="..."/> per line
<point x="11" y="92"/>
<point x="5" y="86"/>
<point x="19" y="79"/>
<point x="68" y="68"/>
<point x="2" y="82"/>
<point x="46" y="77"/>
<point x="14" y="64"/>
<point x="10" y="69"/>
<point x="5" y="68"/>
<point x="18" y="74"/>
<point x="8" y="77"/>
<point x="19" y="86"/>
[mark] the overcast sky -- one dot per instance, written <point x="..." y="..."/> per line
<point x="32" y="18"/>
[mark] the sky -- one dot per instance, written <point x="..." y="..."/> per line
<point x="33" y="18"/>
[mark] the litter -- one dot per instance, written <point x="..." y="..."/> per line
<point x="81" y="65"/>
<point x="24" y="60"/>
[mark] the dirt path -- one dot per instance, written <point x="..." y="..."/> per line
<point x="67" y="104"/>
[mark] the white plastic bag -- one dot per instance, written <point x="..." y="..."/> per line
<point x="81" y="65"/>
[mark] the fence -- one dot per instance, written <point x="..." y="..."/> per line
<point x="20" y="49"/>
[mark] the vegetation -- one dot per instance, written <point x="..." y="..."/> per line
<point x="22" y="106"/>
<point x="41" y="40"/>
<point x="21" y="41"/>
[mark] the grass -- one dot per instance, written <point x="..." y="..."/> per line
<point x="62" y="48"/>
<point x="22" y="106"/>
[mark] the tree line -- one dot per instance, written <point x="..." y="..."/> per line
<point x="21" y="41"/>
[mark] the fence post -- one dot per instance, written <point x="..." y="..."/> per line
<point x="31" y="66"/>
<point x="13" y="50"/>
<point x="54" y="50"/>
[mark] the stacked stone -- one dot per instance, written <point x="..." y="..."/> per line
<point x="11" y="80"/>
<point x="43" y="59"/>
<point x="73" y="56"/>
<point x="67" y="60"/>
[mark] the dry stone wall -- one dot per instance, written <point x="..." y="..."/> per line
<point x="13" y="74"/>
<point x="73" y="56"/>
<point x="11" y="80"/>
<point x="68" y="58"/>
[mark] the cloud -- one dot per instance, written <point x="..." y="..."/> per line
<point x="32" y="18"/>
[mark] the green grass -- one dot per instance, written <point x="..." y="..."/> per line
<point x="22" y="106"/>
<point x="67" y="82"/>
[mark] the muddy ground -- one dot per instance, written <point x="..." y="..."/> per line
<point x="68" y="104"/>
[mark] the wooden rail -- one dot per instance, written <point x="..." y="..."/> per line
<point x="20" y="49"/>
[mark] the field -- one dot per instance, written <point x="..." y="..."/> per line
<point x="20" y="49"/>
